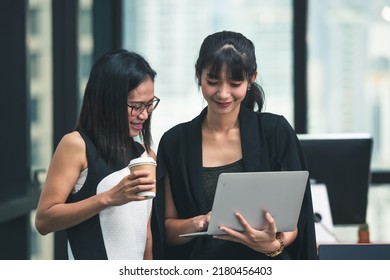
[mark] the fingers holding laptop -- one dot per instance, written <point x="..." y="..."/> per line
<point x="262" y="240"/>
<point x="203" y="221"/>
<point x="196" y="226"/>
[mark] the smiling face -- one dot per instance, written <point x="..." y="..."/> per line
<point x="144" y="93"/>
<point x="222" y="93"/>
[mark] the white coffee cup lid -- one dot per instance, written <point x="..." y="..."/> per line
<point x="142" y="160"/>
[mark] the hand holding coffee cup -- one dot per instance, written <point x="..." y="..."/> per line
<point x="144" y="163"/>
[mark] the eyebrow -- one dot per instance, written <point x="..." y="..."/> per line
<point x="141" y="102"/>
<point x="216" y="77"/>
<point x="212" y="75"/>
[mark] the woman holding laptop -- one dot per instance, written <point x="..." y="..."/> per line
<point x="230" y="135"/>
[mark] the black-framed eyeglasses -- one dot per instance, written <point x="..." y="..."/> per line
<point x="138" y="107"/>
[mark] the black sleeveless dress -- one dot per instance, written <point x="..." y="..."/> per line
<point x="117" y="232"/>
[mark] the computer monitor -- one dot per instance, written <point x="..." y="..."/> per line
<point x="341" y="162"/>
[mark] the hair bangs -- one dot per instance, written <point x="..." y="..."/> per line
<point x="235" y="63"/>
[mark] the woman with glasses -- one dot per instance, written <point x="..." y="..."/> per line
<point x="89" y="191"/>
<point x="230" y="135"/>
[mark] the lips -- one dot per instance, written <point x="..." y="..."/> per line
<point x="136" y="126"/>
<point x="223" y="104"/>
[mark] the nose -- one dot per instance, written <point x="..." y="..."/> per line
<point x="223" y="90"/>
<point x="144" y="115"/>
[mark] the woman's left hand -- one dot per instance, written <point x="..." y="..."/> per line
<point x="263" y="240"/>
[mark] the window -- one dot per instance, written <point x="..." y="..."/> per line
<point x="85" y="44"/>
<point x="349" y="73"/>
<point x="34" y="66"/>
<point x="40" y="61"/>
<point x="34" y="17"/>
<point x="349" y="85"/>
<point x="169" y="34"/>
<point x="34" y="112"/>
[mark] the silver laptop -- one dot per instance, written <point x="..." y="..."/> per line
<point x="251" y="193"/>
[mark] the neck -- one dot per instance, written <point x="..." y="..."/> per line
<point x="220" y="122"/>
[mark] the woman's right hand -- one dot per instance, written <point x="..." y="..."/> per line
<point x="126" y="190"/>
<point x="201" y="222"/>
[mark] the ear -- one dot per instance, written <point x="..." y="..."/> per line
<point x="197" y="76"/>
<point x="253" y="78"/>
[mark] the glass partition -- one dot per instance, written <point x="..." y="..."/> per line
<point x="40" y="72"/>
<point x="349" y="87"/>
<point x="169" y="34"/>
<point x="39" y="37"/>
<point x="349" y="71"/>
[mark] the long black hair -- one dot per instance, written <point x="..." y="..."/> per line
<point x="238" y="54"/>
<point x="104" y="113"/>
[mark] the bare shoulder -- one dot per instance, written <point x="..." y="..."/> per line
<point x="72" y="148"/>
<point x="73" y="141"/>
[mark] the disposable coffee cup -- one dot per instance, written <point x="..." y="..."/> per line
<point x="145" y="163"/>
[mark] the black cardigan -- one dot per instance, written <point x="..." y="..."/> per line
<point x="268" y="142"/>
